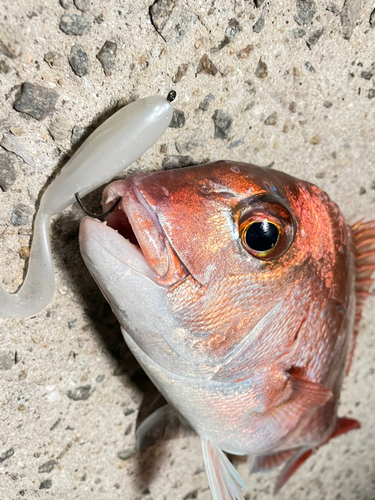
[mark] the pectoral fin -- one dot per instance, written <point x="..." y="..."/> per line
<point x="223" y="478"/>
<point x="164" y="424"/>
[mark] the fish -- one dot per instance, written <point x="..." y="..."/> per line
<point x="239" y="289"/>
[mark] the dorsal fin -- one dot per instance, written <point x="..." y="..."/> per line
<point x="363" y="234"/>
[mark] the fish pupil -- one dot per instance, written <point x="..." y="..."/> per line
<point x="262" y="236"/>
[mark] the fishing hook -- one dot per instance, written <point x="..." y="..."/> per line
<point x="97" y="216"/>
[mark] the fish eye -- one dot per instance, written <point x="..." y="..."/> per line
<point x="261" y="236"/>
<point x="266" y="229"/>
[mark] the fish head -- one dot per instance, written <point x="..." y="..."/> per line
<point x="197" y="262"/>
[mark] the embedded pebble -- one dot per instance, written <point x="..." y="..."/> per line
<point x="59" y="128"/>
<point x="65" y="4"/>
<point x="231" y="31"/>
<point x="160" y="12"/>
<point x="206" y="66"/>
<point x="35" y="100"/>
<point x="24" y="252"/>
<point x="73" y="24"/>
<point x="46" y="484"/>
<point x="371" y="93"/>
<point x="6" y="454"/>
<point x="372" y="185"/>
<point x="367" y="75"/>
<point x="186" y="142"/>
<point x="334" y="8"/>
<point x="80" y="393"/>
<point x="306" y="11"/>
<point x="222" y="122"/>
<point x="126" y="454"/>
<point x="4" y="67"/>
<point x="349" y="15"/>
<point x="21" y="215"/>
<point x="10" y="44"/>
<point x="83" y="5"/>
<point x="362" y="190"/>
<point x="372" y="19"/>
<point x="204" y="105"/>
<point x="259" y="25"/>
<point x="6" y="361"/>
<point x="245" y="52"/>
<point x="272" y="119"/>
<point x="327" y="104"/>
<point x="178" y="161"/>
<point x="309" y="67"/>
<point x="235" y="144"/>
<point x="298" y="33"/>
<point x="79" y="60"/>
<point x="178" y="119"/>
<point x="8" y="163"/>
<point x="54" y="60"/>
<point x="314" y="38"/>
<point x="107" y="55"/>
<point x="181" y="72"/>
<point x="80" y="134"/>
<point x="48" y="466"/>
<point x="11" y="144"/>
<point x="258" y="3"/>
<point x="261" y="69"/>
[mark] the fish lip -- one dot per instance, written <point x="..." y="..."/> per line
<point x="152" y="242"/>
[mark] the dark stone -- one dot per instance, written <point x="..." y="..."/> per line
<point x="53" y="59"/>
<point x="372" y="185"/>
<point x="259" y="25"/>
<point x="8" y="175"/>
<point x="178" y="161"/>
<point x="160" y="12"/>
<point x="46" y="484"/>
<point x="327" y="104"/>
<point x="206" y="102"/>
<point x="349" y="15"/>
<point x="128" y="430"/>
<point x="71" y="323"/>
<point x="258" y="3"/>
<point x="272" y="119"/>
<point x="53" y="426"/>
<point x="48" y="466"/>
<point x="334" y="8"/>
<point x="21" y="215"/>
<point x="73" y="24"/>
<point x="306" y="11"/>
<point x="126" y="454"/>
<point x="129" y="411"/>
<point x="79" y="61"/>
<point x="235" y="144"/>
<point x="222" y="122"/>
<point x="233" y="29"/>
<point x="6" y="454"/>
<point x="100" y="378"/>
<point x="80" y="393"/>
<point x="9" y="142"/>
<point x="313" y="39"/>
<point x="371" y="93"/>
<point x="181" y="72"/>
<point x="10" y="44"/>
<point x="107" y="55"/>
<point x="362" y="190"/>
<point x="372" y="19"/>
<point x="206" y="66"/>
<point x="6" y="360"/>
<point x="261" y="69"/>
<point x="83" y="5"/>
<point x="35" y="100"/>
<point x="4" y="67"/>
<point x="309" y="67"/>
<point x="367" y="75"/>
<point x="178" y="119"/>
<point x="80" y="134"/>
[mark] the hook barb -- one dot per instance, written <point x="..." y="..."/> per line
<point x="97" y="216"/>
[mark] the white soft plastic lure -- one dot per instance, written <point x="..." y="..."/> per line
<point x="112" y="147"/>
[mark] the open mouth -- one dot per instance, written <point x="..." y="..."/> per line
<point x="137" y="222"/>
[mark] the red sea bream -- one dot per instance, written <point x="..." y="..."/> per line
<point x="239" y="289"/>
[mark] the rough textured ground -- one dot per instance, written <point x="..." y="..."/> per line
<point x="287" y="83"/>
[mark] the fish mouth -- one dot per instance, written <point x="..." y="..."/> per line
<point x="138" y="224"/>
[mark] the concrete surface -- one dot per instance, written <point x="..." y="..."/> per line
<point x="288" y="93"/>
